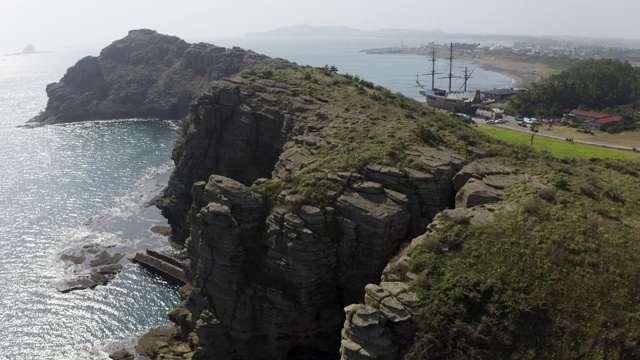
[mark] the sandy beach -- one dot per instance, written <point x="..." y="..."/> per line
<point x="522" y="74"/>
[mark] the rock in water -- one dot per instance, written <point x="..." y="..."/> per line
<point x="144" y="75"/>
<point x="29" y="49"/>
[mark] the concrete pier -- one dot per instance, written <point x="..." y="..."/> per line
<point x="161" y="264"/>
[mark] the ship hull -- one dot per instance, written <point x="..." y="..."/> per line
<point x="457" y="105"/>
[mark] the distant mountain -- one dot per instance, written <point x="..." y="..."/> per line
<point x="340" y="31"/>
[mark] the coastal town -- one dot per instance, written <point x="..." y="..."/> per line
<point x="526" y="59"/>
<point x="577" y="48"/>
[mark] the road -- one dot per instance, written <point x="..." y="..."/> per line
<point x="513" y="125"/>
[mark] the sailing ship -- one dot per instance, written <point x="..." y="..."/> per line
<point x="466" y="102"/>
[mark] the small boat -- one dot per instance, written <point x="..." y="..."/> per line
<point x="466" y="102"/>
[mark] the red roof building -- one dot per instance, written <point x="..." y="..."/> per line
<point x="594" y="120"/>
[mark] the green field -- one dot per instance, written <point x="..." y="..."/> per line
<point x="559" y="148"/>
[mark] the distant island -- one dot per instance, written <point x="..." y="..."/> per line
<point x="29" y="49"/>
<point x="341" y="31"/>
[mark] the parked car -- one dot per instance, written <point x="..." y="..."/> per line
<point x="499" y="121"/>
<point x="490" y="121"/>
<point x="519" y="118"/>
<point x="466" y="118"/>
<point x="531" y="121"/>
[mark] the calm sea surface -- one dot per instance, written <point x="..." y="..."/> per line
<point x="66" y="186"/>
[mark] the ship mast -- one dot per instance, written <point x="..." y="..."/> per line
<point x="450" y="76"/>
<point x="467" y="76"/>
<point x="433" y="69"/>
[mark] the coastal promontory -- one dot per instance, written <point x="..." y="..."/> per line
<point x="322" y="216"/>
<point x="143" y="75"/>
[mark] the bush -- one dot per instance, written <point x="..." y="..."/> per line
<point x="547" y="194"/>
<point x="427" y="135"/>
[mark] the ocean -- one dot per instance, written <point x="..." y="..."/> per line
<point x="66" y="187"/>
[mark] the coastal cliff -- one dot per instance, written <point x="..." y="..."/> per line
<point x="324" y="216"/>
<point x="143" y="75"/>
<point x="271" y="267"/>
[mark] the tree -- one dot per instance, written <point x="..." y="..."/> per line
<point x="534" y="131"/>
<point x="590" y="84"/>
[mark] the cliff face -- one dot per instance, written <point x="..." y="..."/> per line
<point x="270" y="276"/>
<point x="144" y="75"/>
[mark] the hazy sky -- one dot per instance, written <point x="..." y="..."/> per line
<point x="50" y="24"/>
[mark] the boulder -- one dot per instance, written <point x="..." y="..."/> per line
<point x="476" y="192"/>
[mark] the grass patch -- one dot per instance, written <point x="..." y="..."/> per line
<point x="557" y="282"/>
<point x="558" y="148"/>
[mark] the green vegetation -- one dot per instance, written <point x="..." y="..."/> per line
<point x="557" y="276"/>
<point x="372" y="125"/>
<point x="547" y="65"/>
<point x="604" y="85"/>
<point x="559" y="148"/>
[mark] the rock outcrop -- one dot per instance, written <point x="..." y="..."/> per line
<point x="272" y="281"/>
<point x="237" y="134"/>
<point x="144" y="75"/>
<point x="382" y="327"/>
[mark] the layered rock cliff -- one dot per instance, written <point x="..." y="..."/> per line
<point x="295" y="187"/>
<point x="282" y="229"/>
<point x="144" y="75"/>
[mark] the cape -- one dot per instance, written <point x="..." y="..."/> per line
<point x="143" y="75"/>
<point x="322" y="216"/>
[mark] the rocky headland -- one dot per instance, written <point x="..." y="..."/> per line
<point x="323" y="216"/>
<point x="143" y="75"/>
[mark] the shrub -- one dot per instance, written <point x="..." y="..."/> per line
<point x="427" y="135"/>
<point x="266" y="74"/>
<point x="561" y="183"/>
<point x="589" y="191"/>
<point x="530" y="207"/>
<point x="547" y="194"/>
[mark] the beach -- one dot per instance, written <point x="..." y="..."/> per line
<point x="521" y="73"/>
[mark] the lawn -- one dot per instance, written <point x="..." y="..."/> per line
<point x="559" y="148"/>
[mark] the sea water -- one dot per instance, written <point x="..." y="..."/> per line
<point x="63" y="187"/>
<point x="66" y="186"/>
<point x="396" y="72"/>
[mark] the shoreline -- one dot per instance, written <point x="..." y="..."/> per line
<point x="521" y="75"/>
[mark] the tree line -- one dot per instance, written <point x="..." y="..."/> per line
<point x="603" y="85"/>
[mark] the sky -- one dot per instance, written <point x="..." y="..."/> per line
<point x="51" y="24"/>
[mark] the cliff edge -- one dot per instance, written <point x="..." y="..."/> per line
<point x="288" y="209"/>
